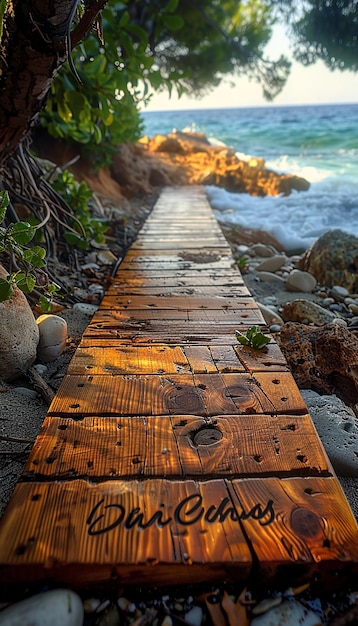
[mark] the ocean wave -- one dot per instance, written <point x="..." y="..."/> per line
<point x="296" y="220"/>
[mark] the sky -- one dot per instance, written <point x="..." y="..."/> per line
<point x="306" y="85"/>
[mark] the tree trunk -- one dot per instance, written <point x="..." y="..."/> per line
<point x="35" y="43"/>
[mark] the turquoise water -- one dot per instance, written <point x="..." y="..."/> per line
<point x="319" y="143"/>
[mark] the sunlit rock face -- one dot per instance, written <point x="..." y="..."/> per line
<point x="189" y="158"/>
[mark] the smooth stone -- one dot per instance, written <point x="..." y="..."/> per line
<point x="289" y="613"/>
<point x="53" y="336"/>
<point x="260" y="249"/>
<point x="353" y="308"/>
<point x="194" y="617"/>
<point x="60" y="607"/>
<point x="270" y="316"/>
<point x="269" y="277"/>
<point x="25" y="391"/>
<point x="86" y="309"/>
<point x="265" y="605"/>
<point x="106" y="257"/>
<point x="272" y="264"/>
<point x="327" y="302"/>
<point x="305" y="311"/>
<point x="337" y="428"/>
<point x="340" y="321"/>
<point x="275" y="328"/>
<point x="339" y="293"/>
<point x="40" y="368"/>
<point x="19" y="335"/>
<point x="301" y="281"/>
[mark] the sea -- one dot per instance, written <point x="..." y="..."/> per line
<point x="318" y="142"/>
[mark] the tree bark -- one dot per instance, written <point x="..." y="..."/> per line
<point x="35" y="44"/>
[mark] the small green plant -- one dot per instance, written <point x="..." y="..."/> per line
<point x="14" y="239"/>
<point x="242" y="263"/>
<point x="77" y="196"/>
<point x="253" y="338"/>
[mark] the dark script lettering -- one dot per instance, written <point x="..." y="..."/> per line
<point x="106" y="517"/>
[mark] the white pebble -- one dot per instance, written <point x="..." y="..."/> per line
<point x="90" y="605"/>
<point x="194" y="617"/>
<point x="53" y="336"/>
<point x="60" y="607"/>
<point x="289" y="613"/>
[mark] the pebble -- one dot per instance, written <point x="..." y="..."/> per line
<point x="194" y="617"/>
<point x="260" y="249"/>
<point x="301" y="281"/>
<point x="60" y="607"/>
<point x="53" y="337"/>
<point x="305" y="311"/>
<point x="339" y="293"/>
<point x="270" y="315"/>
<point x="289" y="613"/>
<point x="25" y="391"/>
<point x="266" y="604"/>
<point x="269" y="277"/>
<point x="86" y="309"/>
<point x="91" y="604"/>
<point x="353" y="308"/>
<point x="275" y="328"/>
<point x="272" y="264"/>
<point x="340" y="321"/>
<point x="40" y="368"/>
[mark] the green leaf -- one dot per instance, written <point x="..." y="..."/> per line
<point x="35" y="256"/>
<point x="44" y="304"/>
<point x="22" y="232"/>
<point x="173" y="22"/>
<point x="25" y="281"/>
<point x="76" y="240"/>
<point x="253" y="338"/>
<point x="4" y="203"/>
<point x="6" y="290"/>
<point x="171" y="6"/>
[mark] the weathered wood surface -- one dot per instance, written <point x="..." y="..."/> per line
<point x="171" y="454"/>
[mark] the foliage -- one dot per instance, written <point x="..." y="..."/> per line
<point x="14" y="239"/>
<point x="150" y="45"/>
<point x="77" y="196"/>
<point x="253" y="338"/>
<point x="323" y="29"/>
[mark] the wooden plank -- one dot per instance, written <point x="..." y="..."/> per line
<point x="178" y="394"/>
<point x="177" y="447"/>
<point x="75" y="533"/>
<point x="114" y="360"/>
<point x="175" y="302"/>
<point x="302" y="526"/>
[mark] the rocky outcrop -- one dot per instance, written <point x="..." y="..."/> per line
<point x="324" y="359"/>
<point x="333" y="260"/>
<point x="189" y="159"/>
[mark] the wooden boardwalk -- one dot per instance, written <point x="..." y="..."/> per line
<point x="171" y="454"/>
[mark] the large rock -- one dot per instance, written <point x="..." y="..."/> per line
<point x="337" y="428"/>
<point x="19" y="335"/>
<point x="333" y="260"/>
<point x="324" y="359"/>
